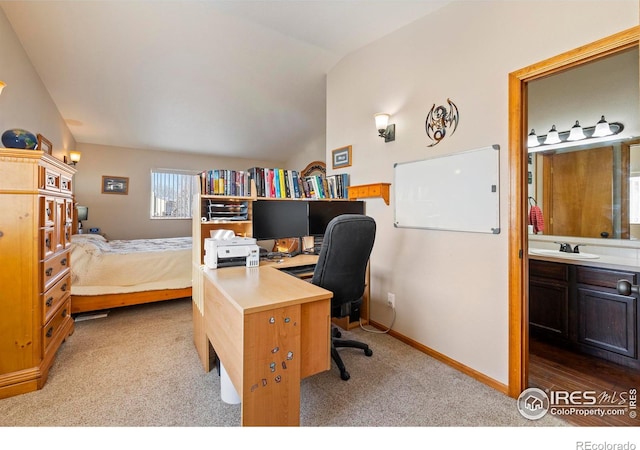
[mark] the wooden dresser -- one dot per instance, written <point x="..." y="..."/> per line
<point x="36" y="206"/>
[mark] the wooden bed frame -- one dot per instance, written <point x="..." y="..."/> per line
<point x="86" y="303"/>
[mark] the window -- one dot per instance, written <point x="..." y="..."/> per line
<point x="172" y="193"/>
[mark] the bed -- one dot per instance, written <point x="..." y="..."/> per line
<point x="108" y="274"/>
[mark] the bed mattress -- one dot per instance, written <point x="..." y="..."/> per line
<point x="101" y="267"/>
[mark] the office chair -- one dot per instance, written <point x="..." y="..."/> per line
<point x="341" y="268"/>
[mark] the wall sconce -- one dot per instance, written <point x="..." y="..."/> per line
<point x="74" y="157"/>
<point x="386" y="131"/>
<point x="602" y="131"/>
<point x="2" y="85"/>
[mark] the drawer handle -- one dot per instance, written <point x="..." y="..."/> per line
<point x="63" y="288"/>
<point x="48" y="212"/>
<point x="50" y="332"/>
<point x="63" y="262"/>
<point x="49" y="271"/>
<point x="64" y="312"/>
<point x="49" y="302"/>
<point x="47" y="242"/>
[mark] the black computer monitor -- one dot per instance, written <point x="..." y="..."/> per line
<point x="321" y="213"/>
<point x="280" y="219"/>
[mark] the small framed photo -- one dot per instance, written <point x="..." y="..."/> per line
<point x="341" y="157"/>
<point x="115" y="185"/>
<point x="44" y="144"/>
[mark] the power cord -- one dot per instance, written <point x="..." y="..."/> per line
<point x="374" y="330"/>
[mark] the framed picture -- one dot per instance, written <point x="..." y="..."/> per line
<point x="341" y="157"/>
<point x="44" y="144"/>
<point x="115" y="185"/>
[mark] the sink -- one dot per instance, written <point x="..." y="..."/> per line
<point x="559" y="254"/>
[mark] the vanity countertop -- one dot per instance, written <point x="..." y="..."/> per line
<point x="603" y="261"/>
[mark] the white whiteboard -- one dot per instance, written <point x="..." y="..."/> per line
<point x="459" y="192"/>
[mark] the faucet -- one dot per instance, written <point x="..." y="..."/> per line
<point x="566" y="247"/>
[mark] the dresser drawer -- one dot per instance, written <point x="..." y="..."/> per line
<point x="52" y="329"/>
<point x="47" y="211"/>
<point x="47" y="242"/>
<point x="53" y="268"/>
<point x="53" y="297"/>
<point x="52" y="180"/>
<point x="65" y="185"/>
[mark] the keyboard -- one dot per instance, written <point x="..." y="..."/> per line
<point x="300" y="269"/>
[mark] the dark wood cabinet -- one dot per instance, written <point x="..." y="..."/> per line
<point x="549" y="300"/>
<point x="579" y="307"/>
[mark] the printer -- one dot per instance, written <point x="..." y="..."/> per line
<point x="231" y="251"/>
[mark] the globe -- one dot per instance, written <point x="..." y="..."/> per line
<point x="18" y="138"/>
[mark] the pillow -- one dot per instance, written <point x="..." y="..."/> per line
<point x="88" y="237"/>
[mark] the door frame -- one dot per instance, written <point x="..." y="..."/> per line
<point x="518" y="237"/>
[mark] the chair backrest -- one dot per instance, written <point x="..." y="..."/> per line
<point x="345" y="251"/>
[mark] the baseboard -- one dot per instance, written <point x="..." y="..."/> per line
<point x="501" y="387"/>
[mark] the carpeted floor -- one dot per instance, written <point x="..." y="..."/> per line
<point x="138" y="368"/>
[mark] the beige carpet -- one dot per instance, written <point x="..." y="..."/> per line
<point x="138" y="368"/>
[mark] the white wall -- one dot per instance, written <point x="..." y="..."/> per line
<point x="451" y="287"/>
<point x="25" y="103"/>
<point x="127" y="216"/>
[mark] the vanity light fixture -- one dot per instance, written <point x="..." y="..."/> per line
<point x="2" y="86"/>
<point x="602" y="128"/>
<point x="553" y="137"/>
<point x="74" y="157"/>
<point x="385" y="130"/>
<point x="576" y="133"/>
<point x="602" y="131"/>
<point x="532" y="140"/>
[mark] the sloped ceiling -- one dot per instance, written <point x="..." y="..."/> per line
<point x="234" y="78"/>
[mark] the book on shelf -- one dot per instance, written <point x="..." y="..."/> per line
<point x="225" y="182"/>
<point x="287" y="183"/>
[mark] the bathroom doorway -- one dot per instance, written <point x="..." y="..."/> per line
<point x="518" y="215"/>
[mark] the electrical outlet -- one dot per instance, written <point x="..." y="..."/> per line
<point x="391" y="300"/>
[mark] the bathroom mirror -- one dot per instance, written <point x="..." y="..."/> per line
<point x="584" y="190"/>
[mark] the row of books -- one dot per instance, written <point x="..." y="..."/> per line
<point x="285" y="183"/>
<point x="273" y="183"/>
<point x="225" y="182"/>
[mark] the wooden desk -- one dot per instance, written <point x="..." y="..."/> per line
<point x="270" y="330"/>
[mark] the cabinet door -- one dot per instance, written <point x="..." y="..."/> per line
<point x="549" y="308"/>
<point x="608" y="321"/>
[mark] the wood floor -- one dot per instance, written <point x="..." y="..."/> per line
<point x="552" y="368"/>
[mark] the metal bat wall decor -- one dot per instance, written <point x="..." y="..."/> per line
<point x="441" y="122"/>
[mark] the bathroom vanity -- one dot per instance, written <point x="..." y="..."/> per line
<point x="574" y="303"/>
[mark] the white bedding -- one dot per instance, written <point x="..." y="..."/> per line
<point x="99" y="266"/>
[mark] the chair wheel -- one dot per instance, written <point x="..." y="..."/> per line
<point x="336" y="333"/>
<point x="368" y="352"/>
<point x="345" y="375"/>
